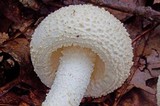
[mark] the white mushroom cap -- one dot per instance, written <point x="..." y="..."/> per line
<point x="89" y="27"/>
<point x="158" y="92"/>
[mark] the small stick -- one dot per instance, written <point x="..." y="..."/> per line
<point x="146" y="12"/>
<point x="143" y="33"/>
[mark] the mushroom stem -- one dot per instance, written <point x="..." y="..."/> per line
<point x="72" y="78"/>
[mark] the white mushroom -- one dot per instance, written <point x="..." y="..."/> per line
<point x="158" y="92"/>
<point x="80" y="50"/>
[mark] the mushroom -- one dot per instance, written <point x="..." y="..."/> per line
<point x="158" y="92"/>
<point x="80" y="51"/>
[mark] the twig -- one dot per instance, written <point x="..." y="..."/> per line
<point x="8" y="87"/>
<point x="126" y="86"/>
<point x="146" y="12"/>
<point x="144" y="33"/>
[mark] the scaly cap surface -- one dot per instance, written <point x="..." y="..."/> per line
<point x="90" y="27"/>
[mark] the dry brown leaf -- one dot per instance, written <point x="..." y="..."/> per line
<point x="156" y="1"/>
<point x="23" y="104"/>
<point x="27" y="79"/>
<point x="137" y="97"/>
<point x="33" y="4"/>
<point x="3" y="37"/>
<point x="138" y="90"/>
<point x="139" y="81"/>
<point x="11" y="10"/>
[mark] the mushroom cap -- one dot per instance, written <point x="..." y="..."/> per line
<point x="158" y="92"/>
<point x="89" y="27"/>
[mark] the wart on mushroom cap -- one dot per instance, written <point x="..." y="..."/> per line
<point x="97" y="38"/>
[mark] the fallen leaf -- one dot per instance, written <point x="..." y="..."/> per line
<point x="3" y="37"/>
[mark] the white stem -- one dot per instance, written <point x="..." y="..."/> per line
<point x="72" y="78"/>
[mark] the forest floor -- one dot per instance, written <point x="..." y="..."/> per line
<point x="19" y="85"/>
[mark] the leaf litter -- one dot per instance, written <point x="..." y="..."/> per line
<point x="25" y="88"/>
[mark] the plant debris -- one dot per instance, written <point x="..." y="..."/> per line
<point x="20" y="86"/>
